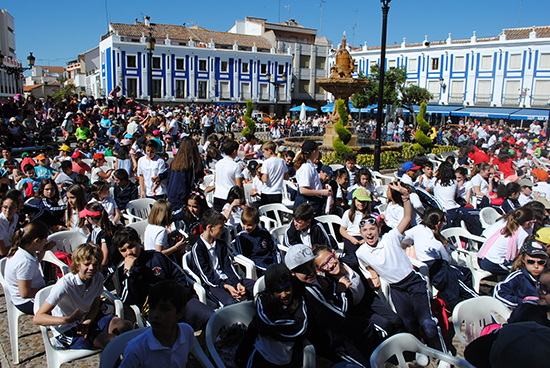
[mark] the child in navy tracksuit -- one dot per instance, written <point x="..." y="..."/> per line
<point x="522" y="284"/>
<point x="213" y="264"/>
<point x="409" y="290"/>
<point x="304" y="229"/>
<point x="256" y="243"/>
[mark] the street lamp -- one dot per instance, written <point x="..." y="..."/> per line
<point x="380" y="115"/>
<point x="17" y="71"/>
<point x="442" y="84"/>
<point x="150" y="46"/>
<point x="277" y="85"/>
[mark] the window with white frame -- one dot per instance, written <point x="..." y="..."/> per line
<point x="244" y="67"/>
<point x="180" y="88"/>
<point x="156" y="87"/>
<point x="544" y="61"/>
<point x="203" y="66"/>
<point x="225" y="91"/>
<point x="131" y="61"/>
<point x="203" y="85"/>
<point x="514" y="63"/>
<point x="412" y="66"/>
<point x="224" y="67"/>
<point x="180" y="64"/>
<point x="392" y="63"/>
<point x="434" y="64"/>
<point x="264" y="92"/>
<point x="156" y="62"/>
<point x="541" y="93"/>
<point x="486" y="62"/>
<point x="280" y="69"/>
<point x="433" y="87"/>
<point x="483" y="92"/>
<point x="245" y="91"/>
<point x="459" y="64"/>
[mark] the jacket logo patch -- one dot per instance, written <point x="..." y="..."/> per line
<point x="157" y="271"/>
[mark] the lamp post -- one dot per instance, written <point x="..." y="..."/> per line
<point x="380" y="115"/>
<point x="277" y="85"/>
<point x="150" y="46"/>
<point x="17" y="71"/>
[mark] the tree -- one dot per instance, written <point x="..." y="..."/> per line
<point x="414" y="95"/>
<point x="423" y="142"/>
<point x="66" y="91"/>
<point x="250" y="125"/>
<point x="344" y="135"/>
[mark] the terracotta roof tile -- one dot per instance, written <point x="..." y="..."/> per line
<point x="523" y="33"/>
<point x="184" y="34"/>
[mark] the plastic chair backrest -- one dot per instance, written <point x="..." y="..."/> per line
<point x="56" y="357"/>
<point x="116" y="347"/>
<point x="13" y="314"/>
<point x="259" y="285"/>
<point x="454" y="234"/>
<point x="140" y="207"/>
<point x="335" y="167"/>
<point x="475" y="314"/>
<point x="276" y="209"/>
<point x="398" y="344"/>
<point x="110" y="161"/>
<point x="278" y="233"/>
<point x="187" y="266"/>
<point x="140" y="227"/>
<point x="67" y="241"/>
<point x="488" y="216"/>
<point x="226" y="316"/>
<point x="247" y="188"/>
<point x="333" y="223"/>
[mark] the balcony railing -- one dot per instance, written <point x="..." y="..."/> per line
<point x="483" y="99"/>
<point x="246" y="96"/>
<point x="510" y="100"/>
<point x="225" y="96"/>
<point x="540" y="101"/>
<point x="456" y="98"/>
<point x="435" y="97"/>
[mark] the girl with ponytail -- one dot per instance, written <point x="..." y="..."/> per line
<point x="22" y="274"/>
<point x="504" y="239"/>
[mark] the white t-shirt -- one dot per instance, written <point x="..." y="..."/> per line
<point x="523" y="199"/>
<point x="227" y="170"/>
<point x="22" y="266"/>
<point x="7" y="229"/>
<point x="479" y="181"/>
<point x="352" y="228"/>
<point x="173" y="127"/>
<point x="463" y="189"/>
<point x="426" y="246"/>
<point x="275" y="168"/>
<point x="427" y="184"/>
<point x="95" y="174"/>
<point x="497" y="252"/>
<point x="406" y="179"/>
<point x="235" y="216"/>
<point x="148" y="169"/>
<point x="446" y="195"/>
<point x="393" y="214"/>
<point x="388" y="259"/>
<point x="307" y="176"/>
<point x="69" y="294"/>
<point x="155" y="235"/>
<point x="109" y="205"/>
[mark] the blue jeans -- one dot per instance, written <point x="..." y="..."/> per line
<point x="495" y="269"/>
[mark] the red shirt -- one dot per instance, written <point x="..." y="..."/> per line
<point x="505" y="167"/>
<point x="478" y="156"/>
<point x="82" y="168"/>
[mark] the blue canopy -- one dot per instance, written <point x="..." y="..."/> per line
<point x="299" y="108"/>
<point x="530" y="114"/>
<point x="435" y="109"/>
<point x="486" y="112"/>
<point x="330" y="107"/>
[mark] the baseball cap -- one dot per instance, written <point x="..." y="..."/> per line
<point x="68" y="114"/>
<point x="64" y="148"/>
<point x="361" y="194"/>
<point x="167" y="136"/>
<point x="409" y="166"/>
<point x="40" y="157"/>
<point x="13" y="119"/>
<point x="76" y="154"/>
<point x="156" y="132"/>
<point x="525" y="183"/>
<point x="327" y="170"/>
<point x="543" y="235"/>
<point x="540" y="174"/>
<point x="309" y="146"/>
<point x="544" y="201"/>
<point x="252" y="165"/>
<point x="533" y="248"/>
<point x="277" y="277"/>
<point x="125" y="142"/>
<point x="127" y="136"/>
<point x="298" y="255"/>
<point x="282" y="149"/>
<point x="98" y="156"/>
<point x="530" y="152"/>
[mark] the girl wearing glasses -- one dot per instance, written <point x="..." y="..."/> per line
<point x="521" y="284"/>
<point x="504" y="240"/>
<point x="384" y="256"/>
<point x="8" y="222"/>
<point x="533" y="310"/>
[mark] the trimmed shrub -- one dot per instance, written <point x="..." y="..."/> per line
<point x="423" y="142"/>
<point x="344" y="135"/>
<point x="250" y="124"/>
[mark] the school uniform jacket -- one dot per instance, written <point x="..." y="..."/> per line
<point x="124" y="195"/>
<point x="515" y="287"/>
<point x="202" y="265"/>
<point x="283" y="326"/>
<point x="317" y="232"/>
<point x="510" y="205"/>
<point x="259" y="247"/>
<point x="151" y="268"/>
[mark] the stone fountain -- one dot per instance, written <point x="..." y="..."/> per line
<point x="341" y="85"/>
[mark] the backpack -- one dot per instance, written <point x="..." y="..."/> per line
<point x="51" y="271"/>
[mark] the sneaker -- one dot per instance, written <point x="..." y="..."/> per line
<point x="443" y="364"/>
<point x="422" y="360"/>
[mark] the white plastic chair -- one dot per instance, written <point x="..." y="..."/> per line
<point x="384" y="291"/>
<point x="110" y="162"/>
<point x="278" y="234"/>
<point x="116" y="348"/>
<point x="381" y="191"/>
<point x="197" y="282"/>
<point x="243" y="313"/>
<point x="68" y="240"/>
<point x="247" y="188"/>
<point x="467" y="258"/>
<point x="475" y="314"/>
<point x="56" y="357"/>
<point x="276" y="209"/>
<point x="138" y="209"/>
<point x="335" y="167"/>
<point x="259" y="285"/>
<point x="488" y="216"/>
<point x="333" y="223"/>
<point x="286" y="197"/>
<point x="398" y="344"/>
<point x="140" y="227"/>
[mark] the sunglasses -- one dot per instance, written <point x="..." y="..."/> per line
<point x="542" y="289"/>
<point x="368" y="220"/>
<point x="532" y="262"/>
<point x="330" y="260"/>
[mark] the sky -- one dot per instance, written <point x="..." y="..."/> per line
<point x="57" y="31"/>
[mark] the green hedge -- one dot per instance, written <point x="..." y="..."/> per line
<point x="344" y="135"/>
<point x="250" y="124"/>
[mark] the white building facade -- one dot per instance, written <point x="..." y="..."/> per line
<point x="193" y="65"/>
<point x="509" y="70"/>
<point x="9" y="86"/>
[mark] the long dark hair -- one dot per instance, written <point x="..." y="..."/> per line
<point x="445" y="174"/>
<point x="187" y="157"/>
<point x="40" y="191"/>
<point x="25" y="236"/>
<point x="432" y="217"/>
